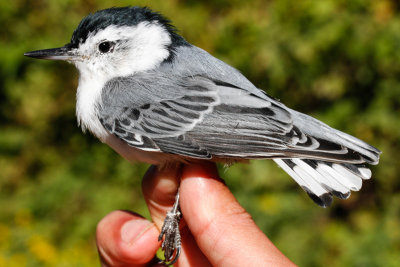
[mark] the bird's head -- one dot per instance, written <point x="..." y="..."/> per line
<point x="117" y="42"/>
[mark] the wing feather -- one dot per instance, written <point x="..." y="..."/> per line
<point x="227" y="115"/>
<point x="200" y="117"/>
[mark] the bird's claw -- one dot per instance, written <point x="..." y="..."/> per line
<point x="172" y="237"/>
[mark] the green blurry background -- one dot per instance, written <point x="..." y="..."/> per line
<point x="336" y="60"/>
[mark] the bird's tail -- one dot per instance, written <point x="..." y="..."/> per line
<point x="331" y="174"/>
<point x="322" y="180"/>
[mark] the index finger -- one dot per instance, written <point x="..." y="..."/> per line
<point x="224" y="231"/>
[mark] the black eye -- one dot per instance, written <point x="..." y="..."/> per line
<point x="105" y="47"/>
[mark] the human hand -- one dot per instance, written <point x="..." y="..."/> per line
<point x="215" y="229"/>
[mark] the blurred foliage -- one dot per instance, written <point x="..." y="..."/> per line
<point x="334" y="59"/>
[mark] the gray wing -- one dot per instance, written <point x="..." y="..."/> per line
<point x="200" y="117"/>
<point x="145" y="112"/>
<point x="302" y="135"/>
<point x="179" y="115"/>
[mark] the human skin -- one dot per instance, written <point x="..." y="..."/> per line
<point x="216" y="230"/>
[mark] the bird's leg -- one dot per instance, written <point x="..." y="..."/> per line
<point x="170" y="229"/>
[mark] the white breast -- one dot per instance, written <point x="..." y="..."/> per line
<point x="88" y="102"/>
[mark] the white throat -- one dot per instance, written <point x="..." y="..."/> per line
<point x="88" y="102"/>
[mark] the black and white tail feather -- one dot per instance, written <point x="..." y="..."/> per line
<point x="322" y="179"/>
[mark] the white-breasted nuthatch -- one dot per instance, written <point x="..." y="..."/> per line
<point x="153" y="97"/>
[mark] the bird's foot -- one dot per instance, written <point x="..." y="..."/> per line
<point x="172" y="237"/>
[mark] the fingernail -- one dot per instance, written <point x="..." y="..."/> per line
<point x="133" y="229"/>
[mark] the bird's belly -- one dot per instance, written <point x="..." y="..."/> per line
<point x="134" y="154"/>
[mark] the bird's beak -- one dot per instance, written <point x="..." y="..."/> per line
<point x="61" y="53"/>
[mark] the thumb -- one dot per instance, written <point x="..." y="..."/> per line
<point x="223" y="230"/>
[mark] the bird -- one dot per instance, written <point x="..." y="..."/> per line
<point x="153" y="97"/>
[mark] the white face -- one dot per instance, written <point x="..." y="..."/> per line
<point x="110" y="53"/>
<point x="131" y="49"/>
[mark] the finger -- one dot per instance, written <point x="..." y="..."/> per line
<point x="160" y="185"/>
<point x="159" y="189"/>
<point x="126" y="239"/>
<point x="224" y="231"/>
